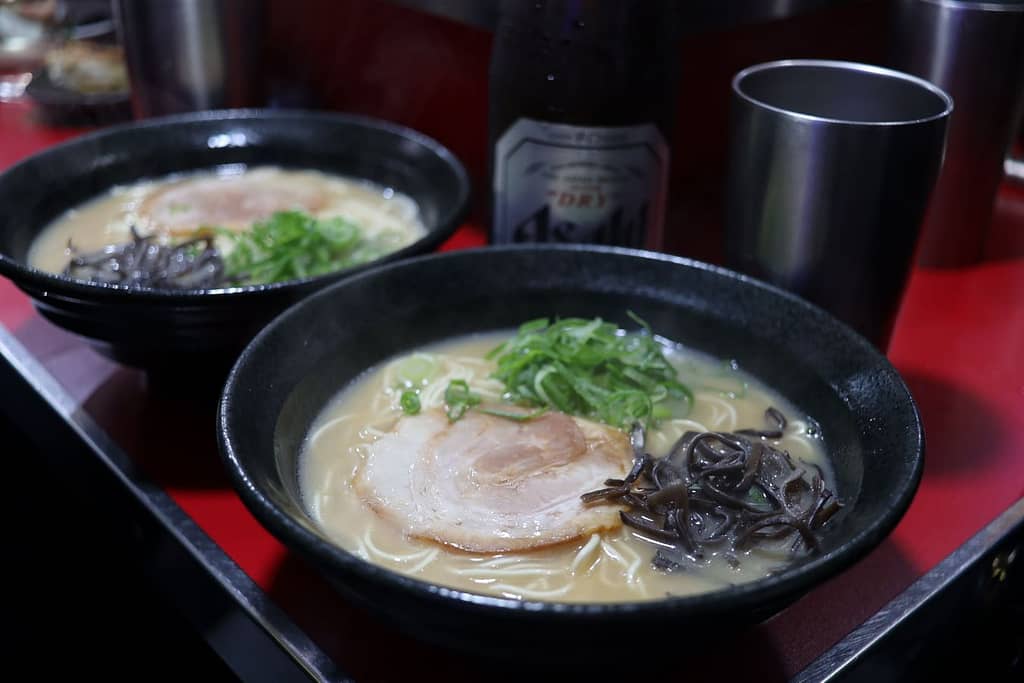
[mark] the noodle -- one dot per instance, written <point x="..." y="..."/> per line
<point x="368" y="542"/>
<point x="324" y="427"/>
<point x="517" y="571"/>
<point x="610" y="566"/>
<point x="585" y="552"/>
<point x="430" y="557"/>
<point x="724" y="417"/>
<point x="519" y="592"/>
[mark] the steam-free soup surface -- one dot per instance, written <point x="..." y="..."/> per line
<point x="231" y="199"/>
<point x="602" y="566"/>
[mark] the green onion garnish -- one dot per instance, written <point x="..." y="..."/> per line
<point x="512" y="415"/>
<point x="291" y="245"/>
<point x="410" y="402"/>
<point x="590" y="368"/>
<point x="459" y="399"/>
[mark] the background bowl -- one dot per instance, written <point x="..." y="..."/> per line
<point x="60" y="106"/>
<point x="293" y="367"/>
<point x="162" y="329"/>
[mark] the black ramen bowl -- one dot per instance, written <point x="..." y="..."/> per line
<point x="294" y="366"/>
<point x="60" y="106"/>
<point x="164" y="330"/>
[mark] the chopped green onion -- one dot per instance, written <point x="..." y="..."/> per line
<point x="410" y="402"/>
<point x="593" y="369"/>
<point x="459" y="399"/>
<point x="291" y="245"/>
<point x="511" y="415"/>
<point x="416" y="369"/>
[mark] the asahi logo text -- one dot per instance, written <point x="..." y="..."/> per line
<point x="618" y="227"/>
<point x="562" y="183"/>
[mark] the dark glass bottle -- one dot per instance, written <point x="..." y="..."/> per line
<point x="581" y="101"/>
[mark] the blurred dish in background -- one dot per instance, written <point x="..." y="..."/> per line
<point x="83" y="81"/>
<point x="164" y="330"/>
<point x="228" y="227"/>
<point x="88" y="68"/>
<point x="28" y="29"/>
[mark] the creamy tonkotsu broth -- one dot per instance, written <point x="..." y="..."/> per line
<point x="603" y="566"/>
<point x="232" y="198"/>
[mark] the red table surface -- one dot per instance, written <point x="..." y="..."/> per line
<point x="959" y="344"/>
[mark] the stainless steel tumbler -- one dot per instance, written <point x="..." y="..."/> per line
<point x="975" y="52"/>
<point x="189" y="55"/>
<point x="831" y="168"/>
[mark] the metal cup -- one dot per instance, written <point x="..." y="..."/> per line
<point x="975" y="52"/>
<point x="189" y="55"/>
<point x="831" y="167"/>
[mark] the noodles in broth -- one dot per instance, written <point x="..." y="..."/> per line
<point x="605" y="566"/>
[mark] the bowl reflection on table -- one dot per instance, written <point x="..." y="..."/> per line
<point x="300" y="361"/>
<point x="164" y="329"/>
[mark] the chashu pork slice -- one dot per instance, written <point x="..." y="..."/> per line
<point x="490" y="484"/>
<point x="233" y="202"/>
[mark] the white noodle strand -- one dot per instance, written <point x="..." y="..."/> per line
<point x="518" y="592"/>
<point x="724" y="419"/>
<point x="312" y="438"/>
<point x="400" y="559"/>
<point x="687" y="425"/>
<point x="585" y="552"/>
<point x="431" y="556"/>
<point x="511" y="571"/>
<point x="499" y="561"/>
<point x="634" y="564"/>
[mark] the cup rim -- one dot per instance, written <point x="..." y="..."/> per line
<point x="978" y="5"/>
<point x="840" y="65"/>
